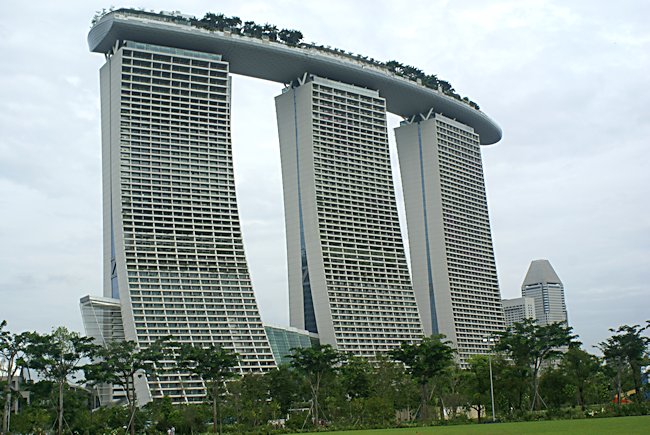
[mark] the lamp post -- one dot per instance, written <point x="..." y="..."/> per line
<point x="491" y="341"/>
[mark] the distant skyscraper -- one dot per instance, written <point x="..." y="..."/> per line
<point x="173" y="251"/>
<point x="348" y="277"/>
<point x="452" y="258"/>
<point x="518" y="309"/>
<point x="544" y="286"/>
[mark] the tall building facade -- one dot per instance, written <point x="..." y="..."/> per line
<point x="517" y="309"/>
<point x="348" y="277"/>
<point x="173" y="250"/>
<point x="452" y="257"/>
<point x="544" y="286"/>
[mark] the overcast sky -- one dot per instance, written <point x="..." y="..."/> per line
<point x="568" y="82"/>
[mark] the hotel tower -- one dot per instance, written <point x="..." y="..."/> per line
<point x="348" y="277"/>
<point x="173" y="250"/>
<point x="452" y="258"/>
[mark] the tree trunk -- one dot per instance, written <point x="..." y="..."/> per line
<point x="130" y="396"/>
<point x="581" y="398"/>
<point x="219" y="417"/>
<point x="217" y="424"/>
<point x="535" y="388"/>
<point x="6" y="415"/>
<point x="618" y="386"/>
<point x="636" y="377"/>
<point x="214" y="410"/>
<point x="60" y="410"/>
<point x="314" y="392"/>
<point x="424" y="408"/>
<point x="7" y="407"/>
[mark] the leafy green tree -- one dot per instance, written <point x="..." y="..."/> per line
<point x="253" y="29"/>
<point x="290" y="37"/>
<point x="37" y="416"/>
<point x="424" y="361"/>
<point x="511" y="385"/>
<point x="12" y="347"/>
<point x="580" y="368"/>
<point x="107" y="419"/>
<point x="121" y="363"/>
<point x="315" y="363"/>
<point x="214" y="365"/>
<point x="271" y="31"/>
<point x="627" y="346"/>
<point x="449" y="391"/>
<point x="355" y="377"/>
<point x="477" y="384"/>
<point x="530" y="345"/>
<point x="555" y="388"/>
<point x="57" y="357"/>
<point x="285" y="387"/>
<point x="164" y="414"/>
<point x="248" y="400"/>
<point x="32" y="419"/>
<point x="233" y="23"/>
<point x="213" y="21"/>
<point x="392" y="383"/>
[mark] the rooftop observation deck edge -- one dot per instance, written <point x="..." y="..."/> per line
<point x="282" y="63"/>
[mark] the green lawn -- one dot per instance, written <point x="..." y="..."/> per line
<point x="595" y="426"/>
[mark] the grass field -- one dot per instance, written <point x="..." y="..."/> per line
<point x="595" y="426"/>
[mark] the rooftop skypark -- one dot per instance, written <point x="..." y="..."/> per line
<point x="294" y="38"/>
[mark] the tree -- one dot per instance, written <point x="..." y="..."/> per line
<point x="355" y="376"/>
<point x="233" y="23"/>
<point x="271" y="31"/>
<point x="251" y="28"/>
<point x="214" y="365"/>
<point x="424" y="361"/>
<point x="393" y="383"/>
<point x="57" y="357"/>
<point x="248" y="400"/>
<point x="185" y="418"/>
<point x="448" y="387"/>
<point x="285" y="386"/>
<point x="579" y="367"/>
<point x="121" y="363"/>
<point x="213" y="21"/>
<point x="12" y="347"/>
<point x="290" y="37"/>
<point x="555" y="389"/>
<point x="477" y="383"/>
<point x="36" y="416"/>
<point x="530" y="345"/>
<point x="627" y="347"/>
<point x="315" y="363"/>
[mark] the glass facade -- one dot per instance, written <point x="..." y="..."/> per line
<point x="283" y="339"/>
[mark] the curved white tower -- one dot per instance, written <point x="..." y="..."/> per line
<point x="348" y="278"/>
<point x="173" y="250"/>
<point x="452" y="258"/>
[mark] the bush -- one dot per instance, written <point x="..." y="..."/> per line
<point x="298" y="420"/>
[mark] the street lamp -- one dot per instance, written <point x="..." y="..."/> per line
<point x="491" y="341"/>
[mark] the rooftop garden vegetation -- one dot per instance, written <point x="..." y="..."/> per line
<point x="294" y="38"/>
